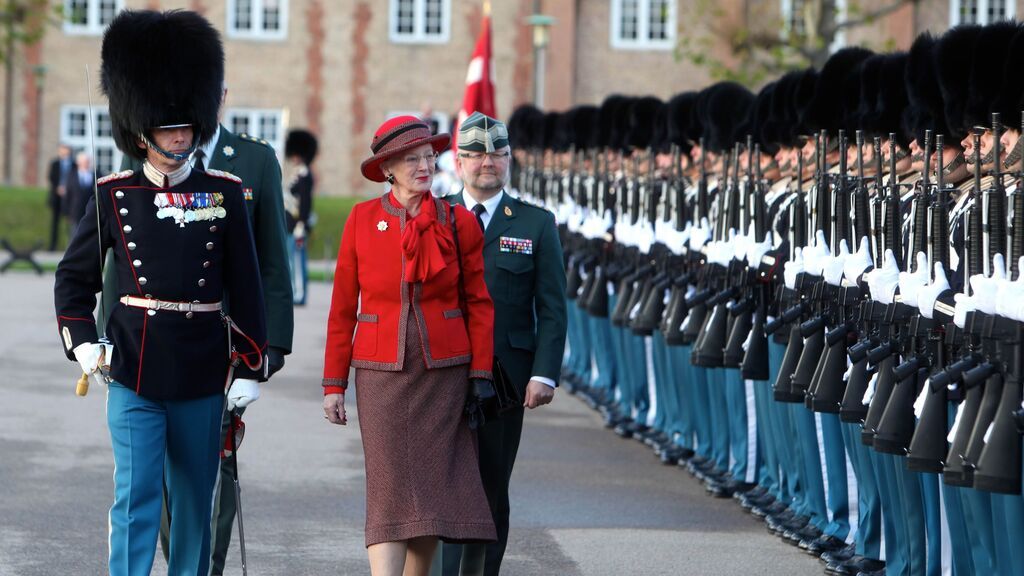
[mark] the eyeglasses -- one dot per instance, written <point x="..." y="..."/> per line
<point x="479" y="156"/>
<point x="412" y="161"/>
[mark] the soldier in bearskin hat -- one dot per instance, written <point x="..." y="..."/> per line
<point x="300" y="150"/>
<point x="181" y="242"/>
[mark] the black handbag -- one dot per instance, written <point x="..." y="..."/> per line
<point x="506" y="396"/>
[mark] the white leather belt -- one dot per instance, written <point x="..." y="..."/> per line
<point x="151" y="304"/>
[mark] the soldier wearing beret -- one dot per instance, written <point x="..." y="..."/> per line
<point x="525" y="275"/>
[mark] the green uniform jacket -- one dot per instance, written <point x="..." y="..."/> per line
<point x="253" y="160"/>
<point x="528" y="289"/>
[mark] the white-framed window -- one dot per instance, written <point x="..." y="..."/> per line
<point x="981" y="11"/>
<point x="265" y="123"/>
<point x="257" y="19"/>
<point x="794" y="22"/>
<point x="794" y="18"/>
<point x="89" y="17"/>
<point x="74" y="131"/>
<point x="419" y="21"/>
<point x="643" y="24"/>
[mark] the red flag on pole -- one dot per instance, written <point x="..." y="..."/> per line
<point x="479" y="95"/>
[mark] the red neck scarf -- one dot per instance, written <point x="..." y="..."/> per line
<point x="425" y="242"/>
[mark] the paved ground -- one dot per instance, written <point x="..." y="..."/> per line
<point x="584" y="501"/>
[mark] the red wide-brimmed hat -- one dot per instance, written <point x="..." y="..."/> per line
<point x="395" y="136"/>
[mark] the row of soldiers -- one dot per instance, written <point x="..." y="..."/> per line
<point x="810" y="296"/>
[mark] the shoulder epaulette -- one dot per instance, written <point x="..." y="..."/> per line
<point x="224" y="175"/>
<point x="529" y="204"/>
<point x="115" y="176"/>
<point x="249" y="138"/>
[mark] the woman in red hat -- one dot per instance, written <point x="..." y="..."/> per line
<point x="419" y="338"/>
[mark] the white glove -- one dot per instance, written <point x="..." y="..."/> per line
<point x="699" y="236"/>
<point x="94" y="358"/>
<point x="1010" y="296"/>
<point x="242" y="393"/>
<point x="964" y="304"/>
<point x="911" y="283"/>
<point x="833" y="271"/>
<point x="986" y="288"/>
<point x="815" y="256"/>
<point x="300" y="230"/>
<point x="858" y="262"/>
<point x="928" y="294"/>
<point x="883" y="281"/>
<point x="740" y="242"/>
<point x="792" y="268"/>
<point x="644" y="237"/>
<point x="756" y="250"/>
<point x="722" y="252"/>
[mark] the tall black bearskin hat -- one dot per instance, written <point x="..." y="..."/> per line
<point x="695" y="127"/>
<point x="726" y="109"/>
<point x="643" y="114"/>
<point x="850" y="97"/>
<point x="800" y="100"/>
<point x="783" y="114"/>
<point x="758" y="123"/>
<point x="952" y="57"/>
<point x="551" y="128"/>
<point x="677" y="111"/>
<point x="891" y="101"/>
<point x="537" y="123"/>
<point x="301" y="143"/>
<point x="990" y="56"/>
<point x="565" y="130"/>
<point x="926" y="110"/>
<point x="619" y="139"/>
<point x="607" y="119"/>
<point x="824" y="111"/>
<point x="584" y="127"/>
<point x="660" y="142"/>
<point x="1010" y="101"/>
<point x="867" y="114"/>
<point x="161" y="69"/>
<point x="520" y="126"/>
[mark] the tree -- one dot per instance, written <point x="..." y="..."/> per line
<point x="760" y="43"/>
<point x="23" y="24"/>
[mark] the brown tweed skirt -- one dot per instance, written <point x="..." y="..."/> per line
<point x="422" y="475"/>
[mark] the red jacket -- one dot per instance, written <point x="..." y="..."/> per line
<point x="370" y="275"/>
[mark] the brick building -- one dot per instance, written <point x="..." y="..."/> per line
<point x="339" y="67"/>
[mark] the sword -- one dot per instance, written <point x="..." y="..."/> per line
<point x="82" y="386"/>
<point x="238" y="489"/>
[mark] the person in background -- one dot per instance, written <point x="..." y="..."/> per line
<point x="300" y="149"/>
<point x="78" y="188"/>
<point x="59" y="168"/>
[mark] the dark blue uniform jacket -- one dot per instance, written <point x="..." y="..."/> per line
<point x="208" y="257"/>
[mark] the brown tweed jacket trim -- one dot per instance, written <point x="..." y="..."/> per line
<point x="485" y="374"/>
<point x="342" y="382"/>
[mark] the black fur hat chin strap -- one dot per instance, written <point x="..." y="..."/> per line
<point x="175" y="156"/>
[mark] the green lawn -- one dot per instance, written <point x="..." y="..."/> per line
<point x="25" y="220"/>
<point x="25" y="217"/>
